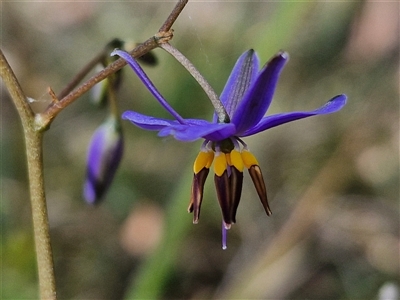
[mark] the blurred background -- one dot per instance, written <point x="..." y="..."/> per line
<point x="333" y="181"/>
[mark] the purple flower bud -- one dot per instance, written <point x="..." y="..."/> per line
<point x="104" y="155"/>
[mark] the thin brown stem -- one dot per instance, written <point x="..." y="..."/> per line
<point x="173" y="16"/>
<point x="100" y="58"/>
<point x="79" y="77"/>
<point x="44" y="120"/>
<point x="53" y="110"/>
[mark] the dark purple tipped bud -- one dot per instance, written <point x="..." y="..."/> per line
<point x="104" y="155"/>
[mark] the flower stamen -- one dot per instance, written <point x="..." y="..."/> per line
<point x="201" y="168"/>
<point x="251" y="164"/>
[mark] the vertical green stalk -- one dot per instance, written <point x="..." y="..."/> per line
<point x="44" y="254"/>
<point x="33" y="140"/>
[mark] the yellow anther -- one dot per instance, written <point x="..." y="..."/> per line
<point x="203" y="160"/>
<point x="236" y="160"/>
<point x="249" y="159"/>
<point x="220" y="164"/>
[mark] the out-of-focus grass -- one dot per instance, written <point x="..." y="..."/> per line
<point x="332" y="180"/>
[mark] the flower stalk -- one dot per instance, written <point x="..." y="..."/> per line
<point x="47" y="284"/>
<point x="212" y="95"/>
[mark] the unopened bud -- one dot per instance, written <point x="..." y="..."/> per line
<point x="104" y="155"/>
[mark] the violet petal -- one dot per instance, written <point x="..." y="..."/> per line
<point x="242" y="76"/>
<point x="258" y="97"/>
<point x="147" y="82"/>
<point x="333" y="105"/>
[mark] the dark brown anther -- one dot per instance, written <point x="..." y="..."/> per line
<point x="236" y="183"/>
<point x="196" y="196"/>
<point x="256" y="176"/>
<point x="223" y="187"/>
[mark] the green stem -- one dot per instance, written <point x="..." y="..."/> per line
<point x="44" y="253"/>
<point x="15" y="90"/>
<point x="33" y="141"/>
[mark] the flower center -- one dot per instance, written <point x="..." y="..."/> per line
<point x="225" y="146"/>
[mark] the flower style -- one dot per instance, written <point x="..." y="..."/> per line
<point x="246" y="98"/>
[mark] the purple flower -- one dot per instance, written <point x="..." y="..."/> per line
<point x="104" y="155"/>
<point x="246" y="98"/>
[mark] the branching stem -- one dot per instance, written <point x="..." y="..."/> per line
<point x="34" y="126"/>
<point x="33" y="140"/>
<point x="164" y="34"/>
<point x="15" y="90"/>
